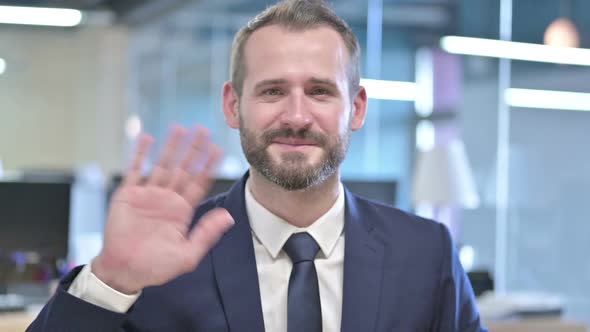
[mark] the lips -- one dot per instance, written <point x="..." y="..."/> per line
<point x="294" y="142"/>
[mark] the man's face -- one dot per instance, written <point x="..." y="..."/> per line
<point x="295" y="114"/>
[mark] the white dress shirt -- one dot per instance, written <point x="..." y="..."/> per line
<point x="274" y="266"/>
<point x="269" y="233"/>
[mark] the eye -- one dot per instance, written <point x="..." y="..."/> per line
<point x="272" y="92"/>
<point x="318" y="91"/>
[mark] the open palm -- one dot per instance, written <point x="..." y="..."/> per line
<point x="147" y="240"/>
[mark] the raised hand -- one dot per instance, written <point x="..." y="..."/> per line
<point x="147" y="241"/>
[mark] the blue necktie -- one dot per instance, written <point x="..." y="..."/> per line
<point x="304" y="309"/>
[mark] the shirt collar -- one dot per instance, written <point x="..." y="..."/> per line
<point x="273" y="232"/>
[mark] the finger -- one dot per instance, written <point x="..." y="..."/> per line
<point x="209" y="229"/>
<point x="162" y="170"/>
<point x="134" y="173"/>
<point x="181" y="175"/>
<point x="198" y="147"/>
<point x="200" y="183"/>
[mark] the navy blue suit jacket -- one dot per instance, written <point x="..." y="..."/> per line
<point x="401" y="273"/>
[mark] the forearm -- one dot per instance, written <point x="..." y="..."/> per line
<point x="66" y="312"/>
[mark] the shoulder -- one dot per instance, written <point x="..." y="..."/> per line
<point x="401" y="230"/>
<point x="390" y="220"/>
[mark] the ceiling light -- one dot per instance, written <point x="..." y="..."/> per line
<point x="40" y="16"/>
<point x="389" y="90"/>
<point x="515" y="50"/>
<point x="2" y="66"/>
<point x="563" y="33"/>
<point x="547" y="99"/>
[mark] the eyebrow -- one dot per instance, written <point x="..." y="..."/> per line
<point x="327" y="82"/>
<point x="269" y="82"/>
<point x="280" y="81"/>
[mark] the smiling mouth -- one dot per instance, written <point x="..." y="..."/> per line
<point x="294" y="142"/>
<point x="293" y="145"/>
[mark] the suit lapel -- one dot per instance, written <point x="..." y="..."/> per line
<point x="363" y="271"/>
<point x="234" y="266"/>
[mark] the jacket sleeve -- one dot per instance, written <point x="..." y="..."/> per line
<point x="65" y="312"/>
<point x="457" y="310"/>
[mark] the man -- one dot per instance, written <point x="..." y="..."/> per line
<point x="287" y="248"/>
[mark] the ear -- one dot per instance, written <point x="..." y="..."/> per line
<point x="230" y="105"/>
<point x="359" y="109"/>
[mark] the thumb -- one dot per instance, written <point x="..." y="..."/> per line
<point x="209" y="229"/>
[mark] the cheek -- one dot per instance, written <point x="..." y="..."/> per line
<point x="334" y="121"/>
<point x="258" y="116"/>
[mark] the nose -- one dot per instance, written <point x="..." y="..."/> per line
<point x="297" y="112"/>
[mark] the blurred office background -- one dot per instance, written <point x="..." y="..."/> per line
<point x="513" y="168"/>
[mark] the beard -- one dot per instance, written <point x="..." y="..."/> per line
<point x="293" y="171"/>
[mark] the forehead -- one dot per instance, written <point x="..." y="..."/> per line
<point x="276" y="52"/>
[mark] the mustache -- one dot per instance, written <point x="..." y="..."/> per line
<point x="306" y="134"/>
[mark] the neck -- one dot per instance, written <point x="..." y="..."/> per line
<point x="300" y="208"/>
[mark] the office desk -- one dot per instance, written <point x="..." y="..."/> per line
<point x="15" y="322"/>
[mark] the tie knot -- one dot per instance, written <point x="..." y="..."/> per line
<point x="301" y="247"/>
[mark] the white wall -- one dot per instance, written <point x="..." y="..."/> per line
<point x="63" y="97"/>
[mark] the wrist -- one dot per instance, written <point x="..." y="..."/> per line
<point x="110" y="277"/>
